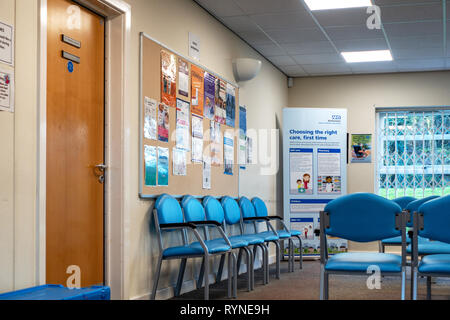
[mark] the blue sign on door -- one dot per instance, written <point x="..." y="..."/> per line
<point x="70" y="66"/>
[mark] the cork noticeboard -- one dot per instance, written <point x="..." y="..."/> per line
<point x="192" y="183"/>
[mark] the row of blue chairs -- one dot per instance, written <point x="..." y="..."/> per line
<point x="213" y="225"/>
<point x="364" y="217"/>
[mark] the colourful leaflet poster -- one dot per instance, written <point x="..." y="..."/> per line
<point x="210" y="82"/>
<point x="163" y="166"/>
<point x="168" y="79"/>
<point x="220" y="98"/>
<point x="197" y="90"/>
<point x="163" y="123"/>
<point x="183" y="78"/>
<point x="150" y="165"/>
<point x="231" y="105"/>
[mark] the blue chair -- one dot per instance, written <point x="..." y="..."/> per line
<point x="361" y="217"/>
<point x="403" y="202"/>
<point x="169" y="218"/>
<point x="409" y="210"/>
<point x="228" y="217"/>
<point x="195" y="213"/>
<point x="261" y="211"/>
<point x="270" y="235"/>
<point x="432" y="221"/>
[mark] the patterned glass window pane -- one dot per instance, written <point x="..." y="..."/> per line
<point x="413" y="156"/>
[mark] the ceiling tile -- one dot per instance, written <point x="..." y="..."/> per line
<point x="299" y="36"/>
<point x="309" y="48"/>
<point x="299" y="19"/>
<point x="282" y="60"/>
<point x="322" y="69"/>
<point x="318" y="58"/>
<point x="420" y="64"/>
<point x="374" y="67"/>
<point x="255" y="37"/>
<point x="401" y="2"/>
<point x="343" y="17"/>
<point x="221" y="8"/>
<point x="418" y="53"/>
<point x="270" y="50"/>
<point x="294" y="71"/>
<point x="413" y="29"/>
<point x="424" y="11"/>
<point x="353" y="33"/>
<point x="269" y="6"/>
<point x="412" y="43"/>
<point x="239" y="24"/>
<point x="362" y="44"/>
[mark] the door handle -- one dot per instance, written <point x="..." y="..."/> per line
<point x="102" y="167"/>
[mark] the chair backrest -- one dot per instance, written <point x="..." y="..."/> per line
<point x="193" y="209"/>
<point x="362" y="217"/>
<point x="436" y="219"/>
<point x="231" y="210"/>
<point x="260" y="207"/>
<point x="213" y="209"/>
<point x="413" y="206"/>
<point x="404" y="201"/>
<point x="168" y="210"/>
<point x="247" y="208"/>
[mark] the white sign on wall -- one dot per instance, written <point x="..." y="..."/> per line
<point x="6" y="90"/>
<point x="194" y="46"/>
<point x="6" y="44"/>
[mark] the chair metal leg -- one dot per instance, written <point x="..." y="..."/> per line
<point x="200" y="276"/>
<point x="252" y="269"/>
<point x="235" y="276"/>
<point x="249" y="272"/>
<point x="403" y="282"/>
<point x="300" y="250"/>
<point x="239" y="259"/>
<point x="220" y="270"/>
<point x="277" y="245"/>
<point x="206" y="268"/>
<point x="428" y="288"/>
<point x="180" y="277"/>
<point x="292" y="254"/>
<point x="230" y="275"/>
<point x="156" y="280"/>
<point x="414" y="277"/>
<point x="323" y="283"/>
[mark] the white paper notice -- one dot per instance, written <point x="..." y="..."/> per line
<point x="179" y="162"/>
<point x="150" y="125"/>
<point x="6" y="44"/>
<point x="197" y="150"/>
<point x="207" y="173"/>
<point x="301" y="171"/>
<point x="197" y="127"/>
<point x="6" y="90"/>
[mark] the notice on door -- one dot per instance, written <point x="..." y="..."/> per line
<point x="6" y="90"/>
<point x="6" y="44"/>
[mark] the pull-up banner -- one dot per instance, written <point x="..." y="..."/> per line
<point x="314" y="170"/>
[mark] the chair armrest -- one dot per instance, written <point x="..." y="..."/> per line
<point x="317" y="232"/>
<point x="206" y="223"/>
<point x="275" y="218"/>
<point x="411" y="234"/>
<point x="256" y="219"/>
<point x="177" y="225"/>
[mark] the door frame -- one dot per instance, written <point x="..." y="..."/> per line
<point x="117" y="14"/>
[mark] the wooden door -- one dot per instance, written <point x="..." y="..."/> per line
<point x="75" y="143"/>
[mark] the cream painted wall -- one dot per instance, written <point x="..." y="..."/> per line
<point x="360" y="95"/>
<point x="18" y="160"/>
<point x="169" y="22"/>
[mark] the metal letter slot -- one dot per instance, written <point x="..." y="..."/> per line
<point x="70" y="41"/>
<point x="70" y="57"/>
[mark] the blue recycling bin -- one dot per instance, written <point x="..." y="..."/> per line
<point x="59" y="292"/>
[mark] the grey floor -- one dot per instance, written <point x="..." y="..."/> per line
<point x="304" y="285"/>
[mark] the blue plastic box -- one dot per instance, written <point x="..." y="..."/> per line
<point x="59" y="292"/>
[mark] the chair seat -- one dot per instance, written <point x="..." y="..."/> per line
<point x="214" y="246"/>
<point x="395" y="241"/>
<point x="431" y="247"/>
<point x="268" y="236"/>
<point x="360" y="261"/>
<point x="435" y="263"/>
<point x="282" y="234"/>
<point x="238" y="242"/>
<point x="295" y="233"/>
<point x="251" y="239"/>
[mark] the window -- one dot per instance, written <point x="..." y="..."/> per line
<point x="413" y="157"/>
